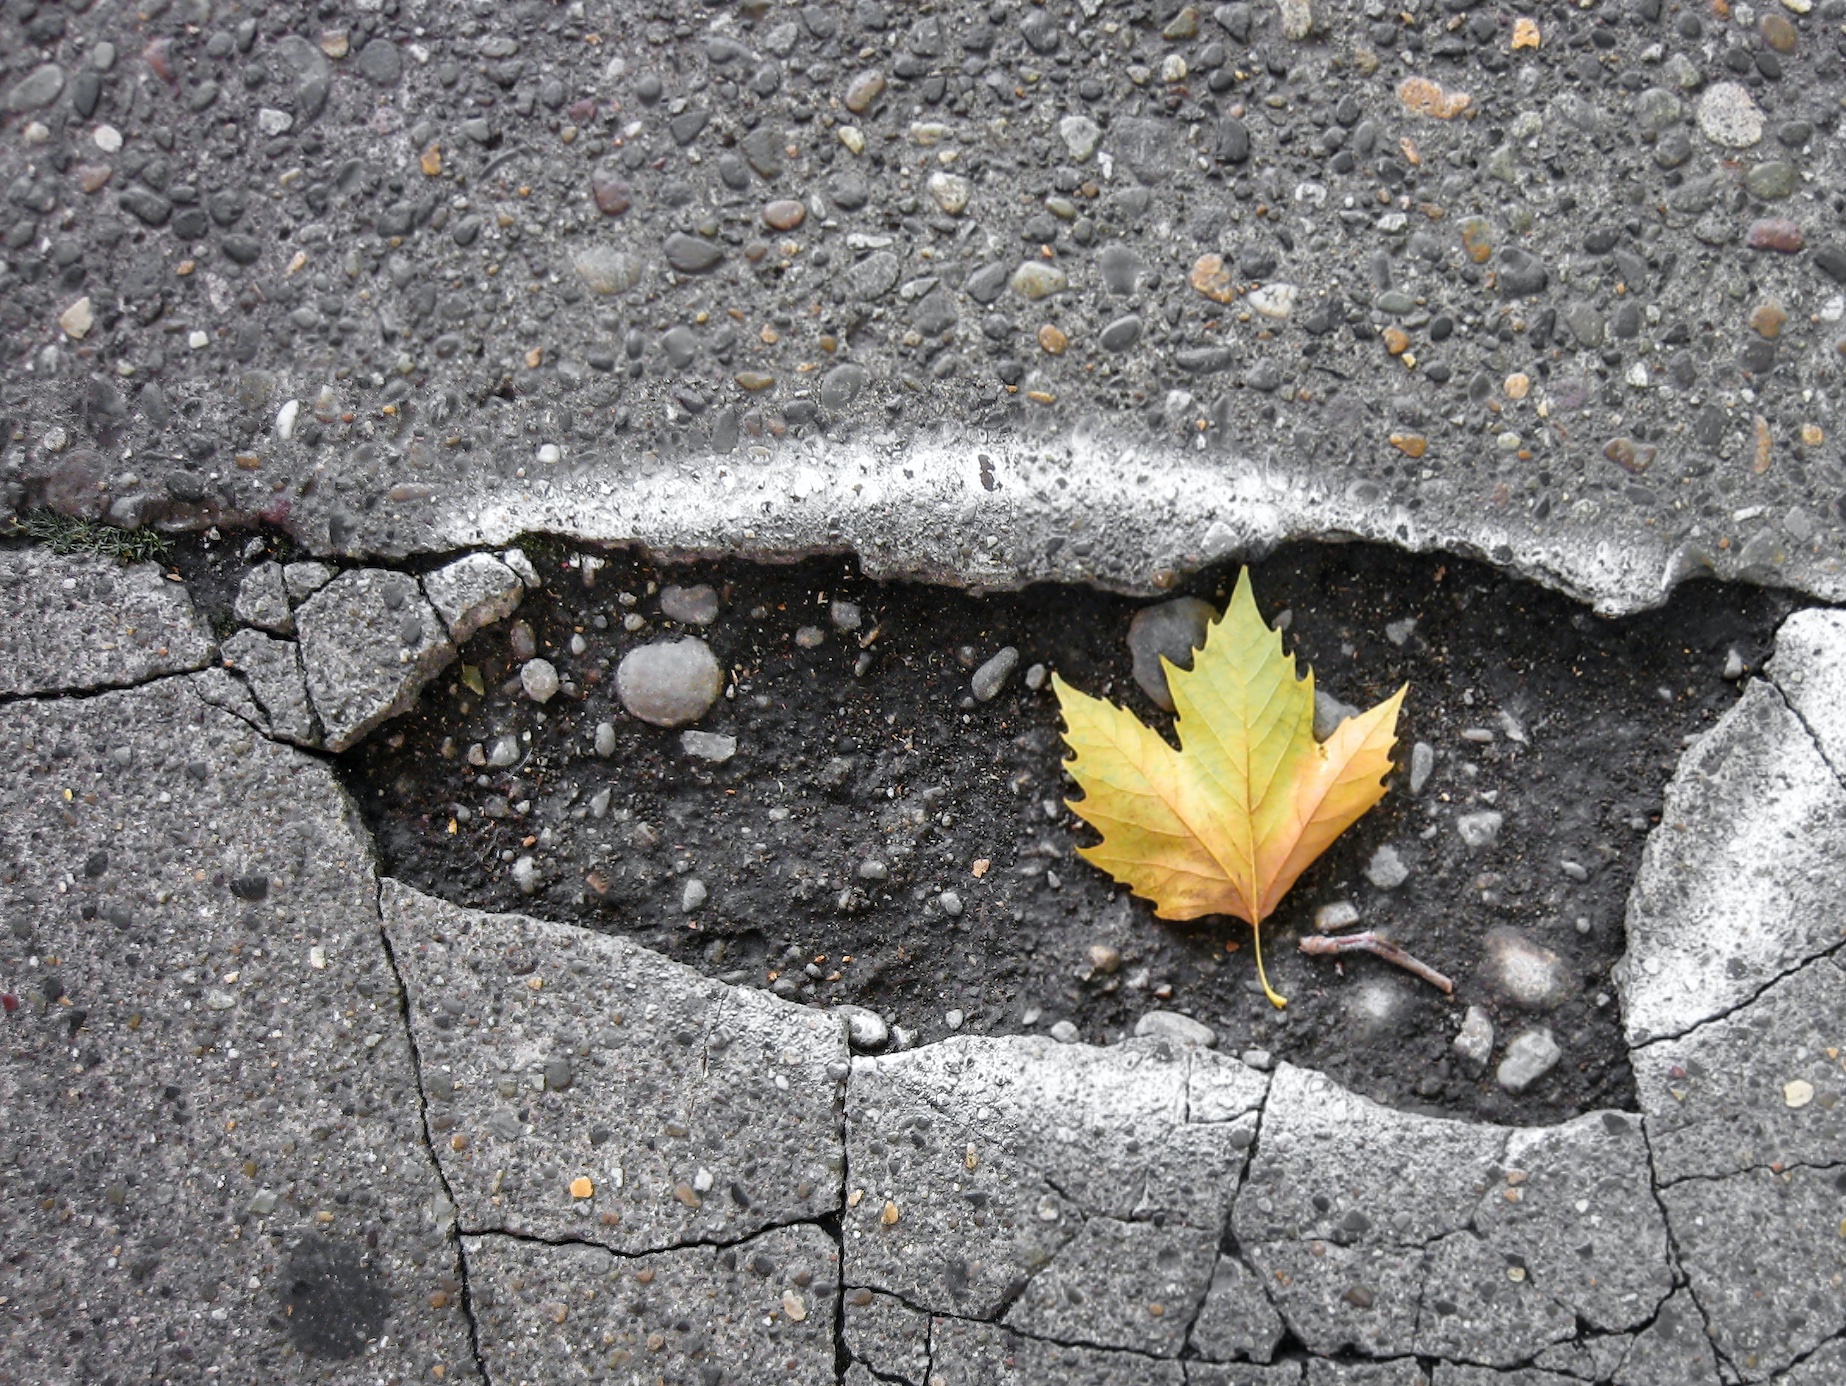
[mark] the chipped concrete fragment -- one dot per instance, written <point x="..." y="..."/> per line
<point x="474" y="591"/>
<point x="369" y="642"/>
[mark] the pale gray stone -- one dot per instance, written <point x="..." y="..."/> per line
<point x="1386" y="869"/>
<point x="1521" y="972"/>
<point x="262" y="600"/>
<point x="1530" y="1055"/>
<point x="992" y="676"/>
<point x="1478" y="830"/>
<point x="1176" y="1029"/>
<point x="82" y="622"/>
<point x="220" y="866"/>
<point x="1329" y="712"/>
<point x="1402" y="1371"/>
<point x="1171" y="631"/>
<point x="866" y="1030"/>
<point x="693" y="606"/>
<point x="1474" y="1043"/>
<point x="1740" y="882"/>
<point x="1422" y="765"/>
<point x="271" y="669"/>
<point x="763" y="1310"/>
<point x="697" y="1111"/>
<point x="539" y="679"/>
<point x="712" y="746"/>
<point x="1243" y="1374"/>
<point x="474" y="591"/>
<point x="670" y="682"/>
<point x="369" y="643"/>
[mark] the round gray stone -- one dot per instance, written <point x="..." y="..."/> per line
<point x="669" y="683"/>
<point x="1172" y="629"/>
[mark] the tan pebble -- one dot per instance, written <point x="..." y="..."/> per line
<point x="335" y="44"/>
<point x="971" y="1160"/>
<point x="458" y="1142"/>
<point x="1768" y="319"/>
<point x="855" y="1198"/>
<point x="1052" y="340"/>
<point x="439" y="1300"/>
<point x="1041" y="397"/>
<point x="1798" y="1094"/>
<point x="581" y="1187"/>
<point x="687" y="1195"/>
<point x="1812" y="435"/>
<point x="1157" y="1310"/>
<point x="793" y="1307"/>
<point x="784" y="214"/>
<point x="1410" y="444"/>
<point x="557" y="1313"/>
<point x="1104" y="959"/>
<point x="1525" y="33"/>
<point x="1424" y="97"/>
<point x="755" y="381"/>
<point x="92" y="177"/>
<point x="890" y="1215"/>
<point x="1518" y="385"/>
<point x="644" y="1277"/>
<point x="863" y="90"/>
<point x="1477" y="239"/>
<point x="1210" y="278"/>
<point x="1779" y="33"/>
<point x="1762" y="441"/>
<point x="431" y="160"/>
<point x="1396" y="340"/>
<point x="77" y="320"/>
<point x="655" y="1342"/>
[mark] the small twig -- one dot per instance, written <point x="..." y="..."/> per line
<point x="1378" y="946"/>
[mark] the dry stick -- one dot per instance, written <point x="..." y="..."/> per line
<point x="1379" y="947"/>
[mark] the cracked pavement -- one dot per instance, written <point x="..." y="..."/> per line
<point x="272" y="1113"/>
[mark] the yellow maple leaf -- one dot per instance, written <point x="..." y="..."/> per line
<point x="1226" y="823"/>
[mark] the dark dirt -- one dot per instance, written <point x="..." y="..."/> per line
<point x="900" y="767"/>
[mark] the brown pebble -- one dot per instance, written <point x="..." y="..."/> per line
<point x="1410" y="444"/>
<point x="612" y="195"/>
<point x="1477" y="239"/>
<point x="1518" y="385"/>
<point x="784" y="214"/>
<point x="1768" y="319"/>
<point x="1779" y="33"/>
<point x="1052" y="340"/>
<point x="1396" y="340"/>
<point x="439" y="1300"/>
<point x="1632" y="457"/>
<point x="754" y="381"/>
<point x="890" y="1215"/>
<point x="91" y="177"/>
<point x="1210" y="278"/>
<point x="1761" y="442"/>
<point x="1777" y="234"/>
<point x="1425" y="97"/>
<point x="687" y="1195"/>
<point x="863" y="90"/>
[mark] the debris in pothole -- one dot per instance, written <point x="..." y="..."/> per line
<point x="1474" y="1043"/>
<point x="1529" y="1056"/>
<point x="1320" y="945"/>
<point x="1523" y="973"/>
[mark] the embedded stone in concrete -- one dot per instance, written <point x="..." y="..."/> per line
<point x="272" y="670"/>
<point x="762" y="1310"/>
<point x="1342" y="1197"/>
<point x="1237" y="1322"/>
<point x="964" y="1353"/>
<point x="1809" y="667"/>
<point x="474" y="591"/>
<point x="210" y="1094"/>
<point x="83" y="622"/>
<point x="887" y="1336"/>
<point x="369" y="642"/>
<point x="1120" y="1284"/>
<point x="1672" y="1351"/>
<point x="973" y="1164"/>
<point x="1765" y="1258"/>
<point x="694" y="1111"/>
<point x="1761" y="1087"/>
<point x="1740" y="882"/>
<point x="262" y="600"/>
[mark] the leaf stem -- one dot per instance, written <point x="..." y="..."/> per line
<point x="1379" y="947"/>
<point x="1279" y="1002"/>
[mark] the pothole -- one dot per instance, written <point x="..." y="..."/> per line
<point x="881" y="838"/>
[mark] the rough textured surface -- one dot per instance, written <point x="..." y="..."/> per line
<point x="271" y="669"/>
<point x="1739" y="883"/>
<point x="1765" y="1258"/>
<point x="474" y="591"/>
<point x="886" y="1336"/>
<point x="979" y="1354"/>
<point x="1809" y="669"/>
<point x="78" y="623"/>
<point x="369" y="642"/>
<point x="1759" y="1088"/>
<point x="695" y="1111"/>
<point x="975" y="1166"/>
<point x="761" y="1310"/>
<point x="262" y="600"/>
<point x="213" y="1162"/>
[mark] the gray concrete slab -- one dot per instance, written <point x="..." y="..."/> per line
<point x="475" y="590"/>
<point x="84" y="622"/>
<point x="885" y="1336"/>
<point x="271" y="669"/>
<point x="1243" y="1374"/>
<point x="1765" y="1257"/>
<point x="1674" y="1350"/>
<point x="369" y="642"/>
<point x="1824" y="1366"/>
<point x="213" y="1160"/>
<point x="691" y="1111"/>
<point x="1809" y="669"/>
<point x="763" y="1309"/>
<point x="1759" y="1088"/>
<point x="1737" y="886"/>
<point x="963" y="1353"/>
<point x="974" y="1167"/>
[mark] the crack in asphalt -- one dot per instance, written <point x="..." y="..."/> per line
<point x="429" y="1144"/>
<point x="1820" y="747"/>
<point x="1833" y="953"/>
<point x="1678" y="1258"/>
<point x="99" y="690"/>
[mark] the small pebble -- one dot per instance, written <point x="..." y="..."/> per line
<point x="1481" y="829"/>
<point x="710" y="746"/>
<point x="669" y="683"/>
<point x="991" y="677"/>
<point x="1531" y="1055"/>
<point x="1175" y="1028"/>
<point x="1523" y="973"/>
<point x="866" y="1030"/>
<point x="846" y="616"/>
<point x="1386" y="869"/>
<point x="539" y="677"/>
<point x="605" y="739"/>
<point x="1064" y="1032"/>
<point x="692" y="606"/>
<point x="1170" y="631"/>
<point x="1422" y="765"/>
<point x="692" y="895"/>
<point x="1331" y="918"/>
<point x="1474" y="1044"/>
